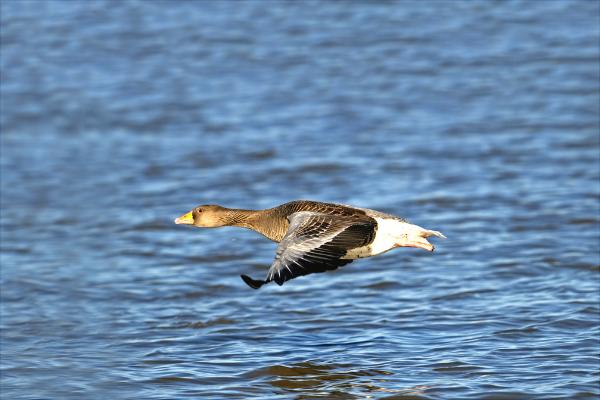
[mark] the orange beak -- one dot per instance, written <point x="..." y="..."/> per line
<point x="185" y="219"/>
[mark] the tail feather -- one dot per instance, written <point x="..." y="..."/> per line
<point x="428" y="233"/>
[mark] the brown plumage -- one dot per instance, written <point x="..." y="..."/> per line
<point x="314" y="236"/>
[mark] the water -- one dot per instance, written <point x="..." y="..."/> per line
<point x="478" y="120"/>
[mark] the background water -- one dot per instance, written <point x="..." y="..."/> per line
<point x="478" y="119"/>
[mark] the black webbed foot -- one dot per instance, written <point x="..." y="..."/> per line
<point x="253" y="283"/>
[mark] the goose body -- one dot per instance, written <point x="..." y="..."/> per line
<point x="315" y="236"/>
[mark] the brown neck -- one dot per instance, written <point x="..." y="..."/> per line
<point x="262" y="221"/>
<point x="237" y="217"/>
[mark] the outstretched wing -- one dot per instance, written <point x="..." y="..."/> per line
<point x="316" y="242"/>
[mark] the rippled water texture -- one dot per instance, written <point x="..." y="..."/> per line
<point x="478" y="119"/>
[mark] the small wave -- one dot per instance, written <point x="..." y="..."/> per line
<point x="463" y="294"/>
<point x="175" y="379"/>
<point x="517" y="332"/>
<point x="205" y="324"/>
<point x="454" y="366"/>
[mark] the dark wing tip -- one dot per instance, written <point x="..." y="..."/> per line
<point x="253" y="283"/>
<point x="280" y="280"/>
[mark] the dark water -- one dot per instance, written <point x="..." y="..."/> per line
<point x="478" y="119"/>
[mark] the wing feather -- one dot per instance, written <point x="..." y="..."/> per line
<point x="316" y="242"/>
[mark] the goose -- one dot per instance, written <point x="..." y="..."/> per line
<point x="315" y="236"/>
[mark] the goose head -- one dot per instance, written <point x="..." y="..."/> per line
<point x="206" y="216"/>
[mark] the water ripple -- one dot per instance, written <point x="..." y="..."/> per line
<point x="480" y="122"/>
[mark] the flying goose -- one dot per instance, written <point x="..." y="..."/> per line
<point x="315" y="236"/>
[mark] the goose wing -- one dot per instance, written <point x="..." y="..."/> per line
<point x="315" y="242"/>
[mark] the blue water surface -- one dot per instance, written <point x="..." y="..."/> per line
<point x="478" y="119"/>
